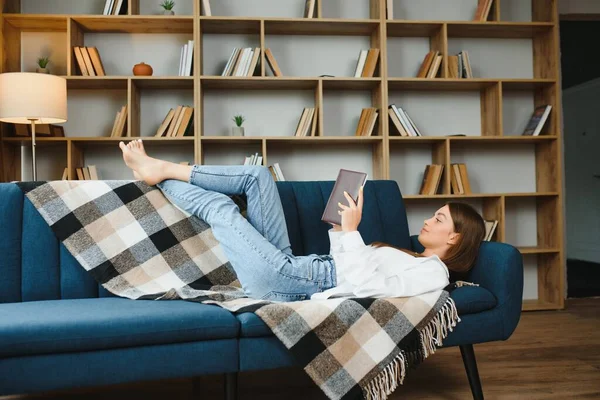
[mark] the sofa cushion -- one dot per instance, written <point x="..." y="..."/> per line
<point x="468" y="300"/>
<point x="59" y="326"/>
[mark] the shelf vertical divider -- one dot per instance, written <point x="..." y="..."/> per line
<point x="495" y="10"/>
<point x="197" y="73"/>
<point x="133" y="7"/>
<point x="263" y="71"/>
<point x="319" y="106"/>
<point x="12" y="53"/>
<point x="264" y="151"/>
<point x="133" y="109"/>
<point x="491" y="110"/>
<point x="75" y="37"/>
<point x="495" y="208"/>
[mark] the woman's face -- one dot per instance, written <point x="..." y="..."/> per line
<point x="438" y="231"/>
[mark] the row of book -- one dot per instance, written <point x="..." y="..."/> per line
<point x="89" y="61"/>
<point x="490" y="228"/>
<point x="402" y="121"/>
<point x="243" y="62"/>
<point x="459" y="65"/>
<point x="89" y="173"/>
<point x="177" y="123"/>
<point x="120" y="125"/>
<point x="115" y="7"/>
<point x="432" y="177"/>
<point x="275" y="169"/>
<point x="431" y="64"/>
<point x="307" y="122"/>
<point x="483" y="10"/>
<point x="186" y="59"/>
<point x="367" y="62"/>
<point x="366" y="122"/>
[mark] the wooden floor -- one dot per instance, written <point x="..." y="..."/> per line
<point x="551" y="355"/>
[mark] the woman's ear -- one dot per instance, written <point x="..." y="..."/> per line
<point x="453" y="238"/>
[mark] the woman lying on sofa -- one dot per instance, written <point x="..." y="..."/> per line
<point x="259" y="249"/>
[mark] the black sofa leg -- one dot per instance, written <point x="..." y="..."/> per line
<point x="231" y="383"/>
<point x="468" y="356"/>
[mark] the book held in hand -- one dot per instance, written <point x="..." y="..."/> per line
<point x="349" y="181"/>
<point x="537" y="121"/>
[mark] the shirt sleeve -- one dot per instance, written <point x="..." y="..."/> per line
<point x="422" y="278"/>
<point x="334" y="240"/>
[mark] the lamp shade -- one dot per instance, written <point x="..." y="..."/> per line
<point x="26" y="95"/>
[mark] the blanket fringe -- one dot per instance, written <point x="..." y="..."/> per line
<point x="430" y="336"/>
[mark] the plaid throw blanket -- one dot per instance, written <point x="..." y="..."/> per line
<point x="138" y="245"/>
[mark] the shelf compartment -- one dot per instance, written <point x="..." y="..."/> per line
<point x="37" y="23"/>
<point x="136" y="24"/>
<point x="543" y="280"/>
<point x="408" y="162"/>
<point x="322" y="158"/>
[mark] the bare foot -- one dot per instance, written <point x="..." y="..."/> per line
<point x="137" y="146"/>
<point x="148" y="169"/>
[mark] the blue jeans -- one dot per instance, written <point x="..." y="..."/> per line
<point x="258" y="247"/>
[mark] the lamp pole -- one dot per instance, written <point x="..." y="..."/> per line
<point x="33" y="161"/>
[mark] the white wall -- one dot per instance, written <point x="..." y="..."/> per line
<point x="582" y="142"/>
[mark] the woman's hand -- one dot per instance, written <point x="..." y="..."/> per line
<point x="352" y="213"/>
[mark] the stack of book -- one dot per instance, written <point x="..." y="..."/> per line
<point x="177" y="123"/>
<point x="402" y="121"/>
<point x="430" y="65"/>
<point x="309" y="8"/>
<point x="115" y="7"/>
<point x="120" y="124"/>
<point x="459" y="66"/>
<point x="254" y="159"/>
<point x="307" y="122"/>
<point x="490" y="228"/>
<point x="242" y="62"/>
<point x="89" y="173"/>
<point x="459" y="179"/>
<point x="367" y="62"/>
<point x="276" y="172"/>
<point x="431" y="179"/>
<point x="483" y="10"/>
<point x="88" y="61"/>
<point x="186" y="59"/>
<point x="366" y="122"/>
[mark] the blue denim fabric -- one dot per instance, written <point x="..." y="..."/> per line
<point x="258" y="247"/>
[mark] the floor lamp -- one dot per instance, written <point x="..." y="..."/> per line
<point x="32" y="98"/>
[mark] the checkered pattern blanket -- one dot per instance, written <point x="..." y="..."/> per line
<point x="138" y="245"/>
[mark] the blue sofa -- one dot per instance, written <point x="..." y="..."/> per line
<point x="61" y="330"/>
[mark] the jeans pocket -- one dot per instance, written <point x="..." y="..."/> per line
<point x="286" y="297"/>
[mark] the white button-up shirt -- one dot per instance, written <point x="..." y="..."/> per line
<point x="366" y="271"/>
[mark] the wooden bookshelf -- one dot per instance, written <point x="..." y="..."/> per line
<point x="490" y="94"/>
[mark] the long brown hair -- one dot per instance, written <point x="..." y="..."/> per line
<point x="462" y="255"/>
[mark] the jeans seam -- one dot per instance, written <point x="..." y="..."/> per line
<point x="260" y="194"/>
<point x="263" y="256"/>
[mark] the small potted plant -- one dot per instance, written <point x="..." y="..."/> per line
<point x="238" y="130"/>
<point x="42" y="63"/>
<point x="167" y="6"/>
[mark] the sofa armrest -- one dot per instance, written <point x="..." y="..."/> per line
<point x="499" y="269"/>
